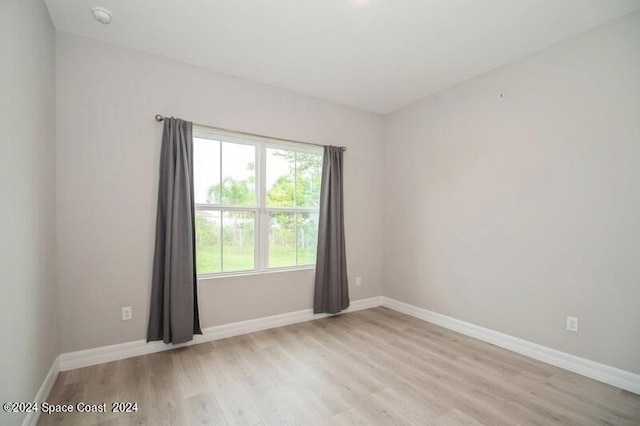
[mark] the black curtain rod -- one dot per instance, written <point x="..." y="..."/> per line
<point x="161" y="118"/>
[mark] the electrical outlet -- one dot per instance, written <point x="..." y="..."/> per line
<point x="572" y="324"/>
<point x="358" y="281"/>
<point x="127" y="313"/>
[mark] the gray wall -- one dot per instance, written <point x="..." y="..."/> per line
<point x="108" y="151"/>
<point x="512" y="212"/>
<point x="28" y="298"/>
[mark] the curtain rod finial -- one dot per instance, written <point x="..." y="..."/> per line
<point x="159" y="117"/>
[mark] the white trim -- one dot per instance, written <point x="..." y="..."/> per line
<point x="604" y="373"/>
<point x="279" y="270"/>
<point x="85" y="358"/>
<point x="32" y="418"/>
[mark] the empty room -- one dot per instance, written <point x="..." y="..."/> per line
<point x="336" y="212"/>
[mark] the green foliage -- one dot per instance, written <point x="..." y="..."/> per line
<point x="308" y="176"/>
<point x="237" y="239"/>
<point x="281" y="194"/>
<point x="300" y="187"/>
<point x="234" y="192"/>
<point x="292" y="235"/>
<point x="207" y="245"/>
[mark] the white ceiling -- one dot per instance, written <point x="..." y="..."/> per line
<point x="378" y="55"/>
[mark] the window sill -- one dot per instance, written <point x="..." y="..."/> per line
<point x="203" y="277"/>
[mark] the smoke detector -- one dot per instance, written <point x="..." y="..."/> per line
<point x="101" y="15"/>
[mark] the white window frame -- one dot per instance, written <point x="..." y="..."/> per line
<point x="260" y="209"/>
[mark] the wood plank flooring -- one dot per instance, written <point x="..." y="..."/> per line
<point x="373" y="367"/>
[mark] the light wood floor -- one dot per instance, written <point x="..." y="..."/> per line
<point x="369" y="367"/>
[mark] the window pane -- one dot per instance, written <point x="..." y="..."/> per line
<point x="293" y="178"/>
<point x="280" y="178"/>
<point x="238" y="174"/>
<point x="208" y="242"/>
<point x="238" y="241"/>
<point x="308" y="174"/>
<point x="206" y="170"/>
<point x="282" y="239"/>
<point x="307" y="238"/>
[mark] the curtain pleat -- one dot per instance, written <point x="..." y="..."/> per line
<point x="173" y="316"/>
<point x="331" y="292"/>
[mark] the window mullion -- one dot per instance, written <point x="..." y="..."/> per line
<point x="263" y="240"/>
<point x="221" y="213"/>
<point x="221" y="241"/>
<point x="220" y="168"/>
<point x="295" y="201"/>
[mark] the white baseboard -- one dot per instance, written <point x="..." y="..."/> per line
<point x="32" y="418"/>
<point x="604" y="373"/>
<point x="85" y="358"/>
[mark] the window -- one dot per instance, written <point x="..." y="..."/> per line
<point x="256" y="203"/>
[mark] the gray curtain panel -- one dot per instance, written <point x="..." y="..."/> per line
<point x="174" y="299"/>
<point x="331" y="293"/>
